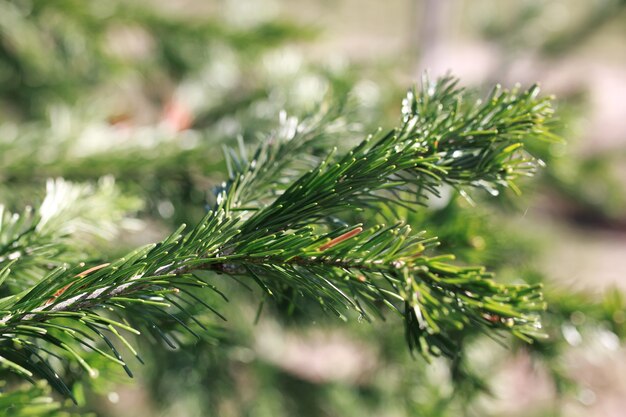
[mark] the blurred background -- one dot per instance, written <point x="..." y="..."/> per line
<point x="148" y="92"/>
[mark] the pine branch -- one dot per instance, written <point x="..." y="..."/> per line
<point x="70" y="222"/>
<point x="442" y="140"/>
<point x="280" y="158"/>
<point x="363" y="270"/>
<point x="287" y="244"/>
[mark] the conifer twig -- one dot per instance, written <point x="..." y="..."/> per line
<point x="285" y="243"/>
